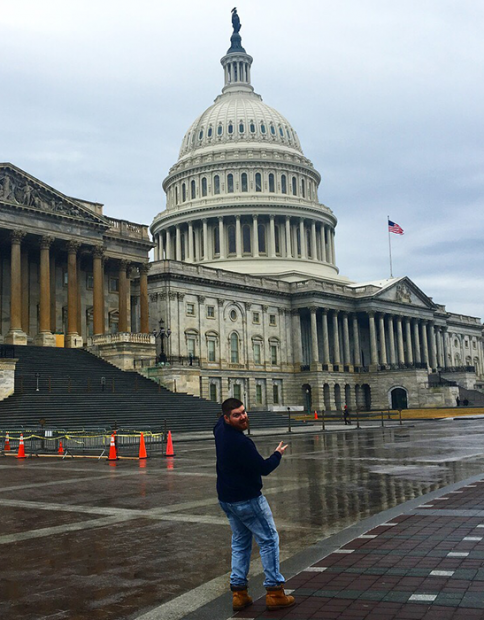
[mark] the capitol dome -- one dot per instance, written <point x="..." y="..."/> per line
<point x="242" y="196"/>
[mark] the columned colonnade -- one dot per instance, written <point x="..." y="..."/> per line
<point x="392" y="340"/>
<point x="247" y="236"/>
<point x="47" y="292"/>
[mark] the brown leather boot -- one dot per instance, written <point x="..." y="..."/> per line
<point x="240" y="598"/>
<point x="276" y="598"/>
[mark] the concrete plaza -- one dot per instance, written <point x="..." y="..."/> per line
<point x="147" y="540"/>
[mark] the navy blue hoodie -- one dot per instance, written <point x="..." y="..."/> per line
<point x="239" y="465"/>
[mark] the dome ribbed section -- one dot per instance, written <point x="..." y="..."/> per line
<point x="239" y="118"/>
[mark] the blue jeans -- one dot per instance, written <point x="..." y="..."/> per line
<point x="253" y="518"/>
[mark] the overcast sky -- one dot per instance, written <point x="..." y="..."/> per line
<point x="386" y="97"/>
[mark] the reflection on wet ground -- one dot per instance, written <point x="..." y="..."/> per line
<point x="84" y="540"/>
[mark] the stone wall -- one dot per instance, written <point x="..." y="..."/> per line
<point x="7" y="377"/>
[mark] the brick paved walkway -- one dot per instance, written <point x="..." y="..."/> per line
<point x="426" y="564"/>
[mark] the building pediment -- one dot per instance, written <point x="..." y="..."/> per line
<point x="404" y="291"/>
<point x="22" y="191"/>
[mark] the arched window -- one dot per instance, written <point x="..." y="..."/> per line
<point x="273" y="130"/>
<point x="204" y="186"/>
<point x="272" y="185"/>
<point x="261" y="229"/>
<point x="200" y="135"/>
<point x="216" y="240"/>
<point x="246" y="239"/>
<point x="277" y="240"/>
<point x="193" y="190"/>
<point x="209" y="132"/>
<point x="241" y="127"/>
<point x="243" y="182"/>
<point x="283" y="184"/>
<point x="231" y="236"/>
<point x="220" y="130"/>
<point x="230" y="183"/>
<point x="184" y="192"/>
<point x="298" y="241"/>
<point x="258" y="182"/>
<point x="262" y="128"/>
<point x="281" y="132"/>
<point x="294" y="186"/>
<point x="230" y="129"/>
<point x="252" y="127"/>
<point x="176" y="195"/>
<point x="303" y="188"/>
<point x="216" y="184"/>
<point x="234" y="349"/>
<point x="183" y="246"/>
<point x="308" y="243"/>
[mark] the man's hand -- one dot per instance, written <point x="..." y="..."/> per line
<point x="281" y="448"/>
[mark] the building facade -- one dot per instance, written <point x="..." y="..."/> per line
<point x="248" y="293"/>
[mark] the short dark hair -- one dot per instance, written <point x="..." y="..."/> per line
<point x="230" y="404"/>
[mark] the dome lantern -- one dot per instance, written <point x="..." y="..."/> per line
<point x="236" y="62"/>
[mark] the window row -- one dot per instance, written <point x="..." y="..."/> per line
<point x="240" y="128"/>
<point x="210" y="314"/>
<point x="286" y="185"/>
<point x="235" y="349"/>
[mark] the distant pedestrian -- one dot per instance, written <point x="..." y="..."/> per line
<point x="457" y="400"/>
<point x="239" y="484"/>
<point x="346" y="414"/>
<point x="466" y="402"/>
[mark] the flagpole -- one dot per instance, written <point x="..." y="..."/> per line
<point x="389" y="246"/>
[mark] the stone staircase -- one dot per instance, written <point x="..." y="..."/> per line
<point x="71" y="388"/>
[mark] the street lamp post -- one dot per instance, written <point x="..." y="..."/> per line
<point x="162" y="333"/>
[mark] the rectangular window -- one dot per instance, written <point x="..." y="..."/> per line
<point x="237" y="391"/>
<point x="190" y="309"/>
<point x="89" y="281"/>
<point x="213" y="392"/>
<point x="257" y="356"/>
<point x="256" y="317"/>
<point x="275" y="393"/>
<point x="272" y="320"/>
<point x="191" y="347"/>
<point x="113" y="285"/>
<point x="210" y="312"/>
<point x="273" y="354"/>
<point x="211" y="350"/>
<point x="258" y="394"/>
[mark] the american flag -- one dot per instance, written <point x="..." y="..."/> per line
<point x="394" y="228"/>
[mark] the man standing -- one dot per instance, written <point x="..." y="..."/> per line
<point x="239" y="484"/>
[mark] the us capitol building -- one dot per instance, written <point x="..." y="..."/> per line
<point x="244" y="296"/>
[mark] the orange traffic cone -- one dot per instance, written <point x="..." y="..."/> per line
<point x="142" y="447"/>
<point x="61" y="449"/>
<point x="112" y="450"/>
<point x="21" y="448"/>
<point x="315" y="415"/>
<point x="169" y="446"/>
<point x="6" y="447"/>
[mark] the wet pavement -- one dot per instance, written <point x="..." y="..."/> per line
<point x="146" y="540"/>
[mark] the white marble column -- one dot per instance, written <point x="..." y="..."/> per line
<point x="356" y="341"/>
<point x="272" y="237"/>
<point x="333" y="250"/>
<point x="324" y="324"/>
<point x="401" y="351"/>
<point x="178" y="255"/>
<point x="190" y="243"/>
<point x="205" y="238"/>
<point x="346" y="340"/>
<point x="221" y="237"/>
<point x="408" y="338"/>
<point x="168" y="246"/>
<point x="289" y="253"/>
<point x="238" y="237"/>
<point x="302" y="235"/>
<point x="438" y="338"/>
<point x="373" y="345"/>
<point x="255" y="237"/>
<point x="383" y="344"/>
<point x="198" y="255"/>
<point x="391" y="340"/>
<point x="433" y="351"/>
<point x="416" y="338"/>
<point x="313" y="241"/>
<point x="445" y="348"/>
<point x="314" y="336"/>
<point x="425" y="345"/>
<point x="160" y="246"/>
<point x="336" y="353"/>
